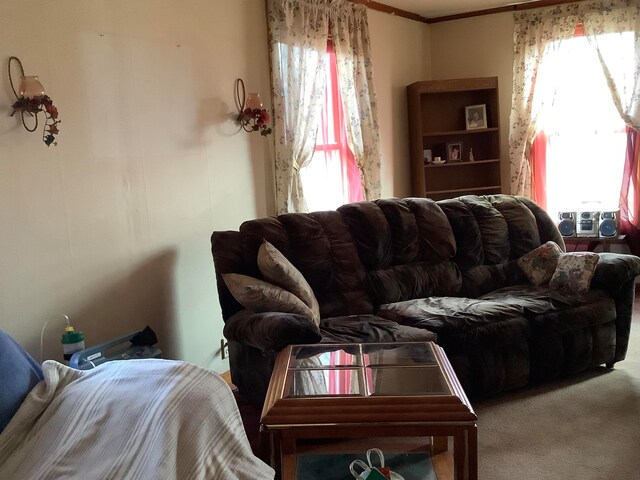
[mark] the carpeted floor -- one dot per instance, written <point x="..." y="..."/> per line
<point x="586" y="427"/>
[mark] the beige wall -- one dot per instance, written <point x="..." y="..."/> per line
<point x="400" y="49"/>
<point x="478" y="47"/>
<point x="112" y="226"/>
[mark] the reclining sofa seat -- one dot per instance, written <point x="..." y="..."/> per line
<point x="405" y="269"/>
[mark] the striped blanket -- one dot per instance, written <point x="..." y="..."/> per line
<point x="135" y="419"/>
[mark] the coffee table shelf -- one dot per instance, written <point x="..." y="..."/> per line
<point x="335" y="391"/>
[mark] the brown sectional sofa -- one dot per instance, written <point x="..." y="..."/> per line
<point x="413" y="269"/>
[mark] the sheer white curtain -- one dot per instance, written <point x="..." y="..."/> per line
<point x="583" y="131"/>
<point x="350" y="31"/>
<point x="539" y="30"/>
<point x="607" y="29"/>
<point x="298" y="32"/>
<point x="535" y="32"/>
<point x="298" y="35"/>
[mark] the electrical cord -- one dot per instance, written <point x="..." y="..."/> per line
<point x="42" y="340"/>
<point x="42" y="335"/>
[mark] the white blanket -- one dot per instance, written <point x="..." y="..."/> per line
<point x="135" y="419"/>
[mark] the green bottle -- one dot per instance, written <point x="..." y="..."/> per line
<point x="72" y="341"/>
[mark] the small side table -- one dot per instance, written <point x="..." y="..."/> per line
<point x="592" y="242"/>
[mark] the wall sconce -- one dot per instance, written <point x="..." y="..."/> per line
<point x="31" y="100"/>
<point x="252" y="117"/>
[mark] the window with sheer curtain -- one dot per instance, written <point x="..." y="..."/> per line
<point x="332" y="177"/>
<point x="585" y="136"/>
<point x="298" y="35"/>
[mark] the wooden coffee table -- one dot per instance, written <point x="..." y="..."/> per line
<point x="358" y="391"/>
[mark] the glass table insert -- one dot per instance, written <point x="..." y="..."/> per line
<point x="377" y="369"/>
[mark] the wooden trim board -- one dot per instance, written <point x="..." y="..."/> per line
<point x="381" y="7"/>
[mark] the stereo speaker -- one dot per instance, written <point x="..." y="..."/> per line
<point x="608" y="226"/>
<point x="567" y="224"/>
<point x="587" y="224"/>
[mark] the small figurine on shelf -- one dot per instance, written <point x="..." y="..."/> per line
<point x="471" y="159"/>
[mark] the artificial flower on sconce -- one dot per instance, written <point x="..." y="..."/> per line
<point x="255" y="119"/>
<point x="31" y="101"/>
<point x="252" y="117"/>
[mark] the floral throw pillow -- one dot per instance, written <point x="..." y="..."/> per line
<point x="540" y="264"/>
<point x="574" y="272"/>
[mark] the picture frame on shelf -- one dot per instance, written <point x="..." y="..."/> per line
<point x="428" y="157"/>
<point x="475" y="116"/>
<point x="454" y="151"/>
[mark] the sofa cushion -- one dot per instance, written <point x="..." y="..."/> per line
<point x="491" y="232"/>
<point x="419" y="230"/>
<point x="370" y="329"/>
<point x="543" y="299"/>
<point x="493" y="229"/>
<point x="615" y="270"/>
<point x="466" y="230"/>
<point x="501" y="317"/>
<point x="405" y="246"/>
<point x="279" y="271"/>
<point x="540" y="263"/>
<point x="577" y="331"/>
<point x="524" y="234"/>
<point x="270" y="331"/>
<point x="320" y="246"/>
<point x="574" y="272"/>
<point x="595" y="308"/>
<point x="417" y="280"/>
<point x="547" y="229"/>
<point x="511" y="336"/>
<point x="259" y="296"/>
<point x="461" y="322"/>
<point x="483" y="279"/>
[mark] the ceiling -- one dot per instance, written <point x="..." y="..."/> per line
<point x="440" y="8"/>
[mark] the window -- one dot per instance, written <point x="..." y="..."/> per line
<point x="586" y="137"/>
<point x="332" y="178"/>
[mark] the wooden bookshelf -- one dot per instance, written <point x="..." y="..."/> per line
<point x="436" y="118"/>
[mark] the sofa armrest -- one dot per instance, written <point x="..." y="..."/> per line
<point x="270" y="330"/>
<point x="615" y="270"/>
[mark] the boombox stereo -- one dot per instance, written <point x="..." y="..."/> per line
<point x="588" y="224"/>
